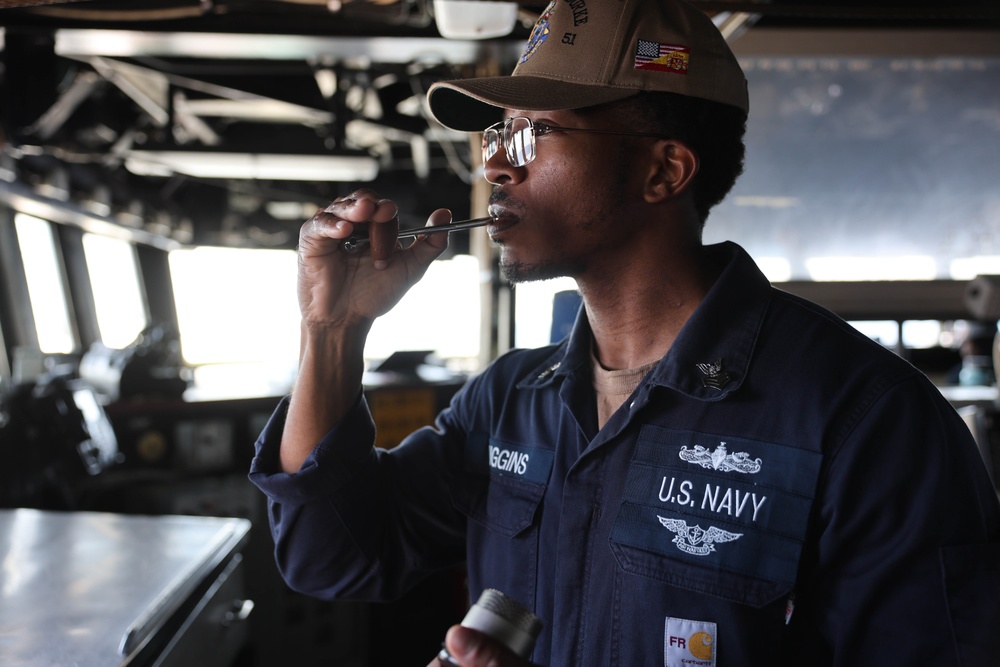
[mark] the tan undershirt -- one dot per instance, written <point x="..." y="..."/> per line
<point x="613" y="387"/>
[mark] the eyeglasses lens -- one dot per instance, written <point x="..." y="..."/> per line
<point x="518" y="141"/>
<point x="491" y="143"/>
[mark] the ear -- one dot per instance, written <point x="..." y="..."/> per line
<point x="671" y="170"/>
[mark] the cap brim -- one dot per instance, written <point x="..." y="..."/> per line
<point x="470" y="105"/>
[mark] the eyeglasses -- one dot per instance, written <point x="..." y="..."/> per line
<point x="519" y="135"/>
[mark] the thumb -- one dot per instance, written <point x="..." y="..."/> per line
<point x="467" y="646"/>
<point x="435" y="244"/>
<point x="471" y="648"/>
<point x="462" y="642"/>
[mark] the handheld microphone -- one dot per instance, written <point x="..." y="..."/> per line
<point x="504" y="619"/>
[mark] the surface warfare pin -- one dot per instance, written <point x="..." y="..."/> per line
<point x="715" y="377"/>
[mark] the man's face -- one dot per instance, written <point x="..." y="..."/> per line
<point x="567" y="212"/>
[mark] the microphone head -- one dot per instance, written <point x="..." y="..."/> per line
<point x="506" y="620"/>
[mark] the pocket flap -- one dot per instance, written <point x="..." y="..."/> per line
<point x="507" y="506"/>
<point x="504" y="483"/>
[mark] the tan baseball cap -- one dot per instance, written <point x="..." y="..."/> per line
<point x="587" y="52"/>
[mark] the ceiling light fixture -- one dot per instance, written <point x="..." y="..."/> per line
<point x="474" y="19"/>
<point x="262" y="166"/>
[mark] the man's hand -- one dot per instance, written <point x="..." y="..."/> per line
<point x="340" y="294"/>
<point x="470" y="648"/>
<point x="340" y="289"/>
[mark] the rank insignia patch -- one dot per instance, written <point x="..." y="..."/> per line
<point x="715" y="377"/>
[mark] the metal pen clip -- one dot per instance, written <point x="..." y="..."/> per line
<point x="359" y="239"/>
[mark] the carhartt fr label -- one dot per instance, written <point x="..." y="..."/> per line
<point x="688" y="643"/>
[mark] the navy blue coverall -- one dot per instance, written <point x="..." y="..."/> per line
<point x="779" y="490"/>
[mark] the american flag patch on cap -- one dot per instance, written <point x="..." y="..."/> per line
<point x="661" y="57"/>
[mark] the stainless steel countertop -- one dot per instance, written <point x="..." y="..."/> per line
<point x="88" y="589"/>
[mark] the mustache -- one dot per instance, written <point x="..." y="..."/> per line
<point x="504" y="199"/>
<point x="499" y="196"/>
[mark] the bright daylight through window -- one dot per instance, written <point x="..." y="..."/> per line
<point x="873" y="168"/>
<point x="43" y="270"/>
<point x="114" y="278"/>
<point x="239" y="318"/>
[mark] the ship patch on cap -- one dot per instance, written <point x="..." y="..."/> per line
<point x="539" y="34"/>
<point x="661" y="57"/>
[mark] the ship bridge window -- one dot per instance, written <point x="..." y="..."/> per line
<point x="114" y="279"/>
<point x="239" y="318"/>
<point x="879" y="167"/>
<point x="44" y="272"/>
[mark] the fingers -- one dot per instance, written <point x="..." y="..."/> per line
<point x="470" y="648"/>
<point x="361" y="206"/>
<point x="439" y="241"/>
<point x="382" y="240"/>
<point x="338" y="219"/>
<point x="441" y="216"/>
<point x="380" y="218"/>
<point x="428" y="247"/>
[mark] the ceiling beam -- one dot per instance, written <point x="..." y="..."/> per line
<point x="231" y="46"/>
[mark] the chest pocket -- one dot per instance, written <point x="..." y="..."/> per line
<point x="501" y="493"/>
<point x="504" y="483"/>
<point x="505" y="506"/>
<point x="718" y="515"/>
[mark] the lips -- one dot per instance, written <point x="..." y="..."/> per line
<point x="503" y="220"/>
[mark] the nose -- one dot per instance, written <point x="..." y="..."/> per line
<point x="498" y="169"/>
